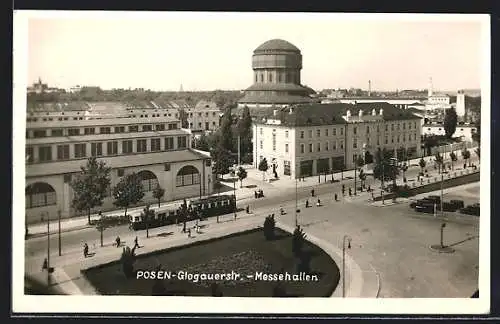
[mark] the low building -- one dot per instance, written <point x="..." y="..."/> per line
<point x="311" y="139"/>
<point x="155" y="147"/>
<point x="204" y="117"/>
<point x="463" y="131"/>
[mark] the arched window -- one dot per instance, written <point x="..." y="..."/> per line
<point x="149" y="180"/>
<point x="187" y="176"/>
<point x="40" y="194"/>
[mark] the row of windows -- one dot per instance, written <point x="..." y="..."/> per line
<point x="207" y="125"/>
<point x="96" y="149"/>
<point x="355" y="130"/>
<point x="60" y="118"/>
<point x="290" y="77"/>
<point x="57" y="132"/>
<point x="214" y="114"/>
<point x="326" y="147"/>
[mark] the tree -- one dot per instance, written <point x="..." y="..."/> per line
<point x="244" y="128"/>
<point x="129" y="191"/>
<point x="242" y="174"/>
<point x="384" y="168"/>
<point x="146" y="215"/>
<point x="298" y="240"/>
<point x="362" y="177"/>
<point x="450" y="122"/>
<point x="438" y="158"/>
<point x="202" y="143"/>
<point x="183" y="116"/>
<point x="90" y="186"/>
<point x="158" y="193"/>
<point x="226" y="133"/>
<point x="127" y="261"/>
<point x="466" y="155"/>
<point x="422" y="164"/>
<point x="360" y="161"/>
<point x="222" y="160"/>
<point x="368" y="157"/>
<point x="453" y="158"/>
<point x="269" y="225"/>
<point x="429" y="143"/>
<point x="478" y="152"/>
<point x="263" y="166"/>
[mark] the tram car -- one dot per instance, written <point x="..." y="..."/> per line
<point x="172" y="213"/>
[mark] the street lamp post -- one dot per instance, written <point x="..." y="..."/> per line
<point x="348" y="238"/>
<point x="59" y="229"/>
<point x="443" y="225"/>
<point x="355" y="175"/>
<point x="296" y="202"/>
<point x="234" y="193"/>
<point x="48" y="248"/>
<point x="382" y="182"/>
<point x="442" y="211"/>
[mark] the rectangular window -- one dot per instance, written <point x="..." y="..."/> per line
<point x="155" y="145"/>
<point x="104" y="130"/>
<point x="286" y="148"/>
<point x="174" y="126"/>
<point x="141" y="145"/>
<point x="73" y="131"/>
<point x="56" y="132"/>
<point x="169" y="143"/>
<point x="341" y="145"/>
<point x="286" y="168"/>
<point x="261" y="131"/>
<point x="334" y="132"/>
<point x="133" y="129"/>
<point x="327" y="146"/>
<point x="274" y="142"/>
<point x="120" y="129"/>
<point x="302" y="148"/>
<point x="89" y="130"/>
<point x="318" y="132"/>
<point x="29" y="154"/>
<point x="62" y="152"/>
<point x="37" y="133"/>
<point x="96" y="149"/>
<point x="326" y="132"/>
<point x="378" y="128"/>
<point x="310" y="147"/>
<point x="160" y="127"/>
<point x="378" y="140"/>
<point x="398" y="138"/>
<point x="398" y="126"/>
<point x="147" y="128"/>
<point x="207" y="125"/>
<point x="112" y="148"/>
<point x="404" y="137"/>
<point x="341" y="130"/>
<point x="261" y="145"/>
<point x="392" y="139"/>
<point x="334" y="145"/>
<point x="127" y="147"/>
<point x="415" y="125"/>
<point x="181" y="142"/>
<point x="367" y="129"/>
<point x="354" y="130"/>
<point x="386" y="127"/>
<point x="354" y="143"/>
<point x="318" y="146"/>
<point x="404" y="125"/>
<point x="392" y="127"/>
<point x="310" y="133"/>
<point x="80" y="150"/>
<point x="301" y="134"/>
<point x="286" y="134"/>
<point x="45" y="153"/>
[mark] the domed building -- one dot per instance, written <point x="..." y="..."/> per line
<point x="276" y="65"/>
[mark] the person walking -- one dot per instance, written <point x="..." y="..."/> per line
<point x="336" y="197"/>
<point x="248" y="209"/>
<point x="118" y="241"/>
<point x="312" y="192"/>
<point x="85" y="250"/>
<point x="318" y="203"/>
<point x="136" y="242"/>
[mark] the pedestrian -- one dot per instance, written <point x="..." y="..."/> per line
<point x="189" y="232"/>
<point x="307" y="203"/>
<point x="256" y="196"/>
<point x="136" y="242"/>
<point x="336" y="197"/>
<point x="343" y="189"/>
<point x="312" y="192"/>
<point x="248" y="209"/>
<point x="45" y="264"/>
<point x="350" y="192"/>
<point x="118" y="241"/>
<point x="319" y="203"/>
<point x="369" y="188"/>
<point x="85" y="250"/>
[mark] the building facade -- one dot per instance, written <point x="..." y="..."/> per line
<point x="276" y="68"/>
<point x="203" y="117"/>
<point x="463" y="130"/>
<point x="154" y="147"/>
<point x="306" y="140"/>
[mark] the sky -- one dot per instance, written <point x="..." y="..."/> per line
<point x="209" y="51"/>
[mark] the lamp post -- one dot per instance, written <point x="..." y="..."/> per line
<point x="348" y="239"/>
<point x="355" y="174"/>
<point x="442" y="211"/>
<point x="48" y="248"/>
<point x="234" y="193"/>
<point x="296" y="202"/>
<point x="443" y="225"/>
<point x="59" y="229"/>
<point x="393" y="164"/>
<point x="382" y="181"/>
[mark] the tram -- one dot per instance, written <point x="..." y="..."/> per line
<point x="172" y="213"/>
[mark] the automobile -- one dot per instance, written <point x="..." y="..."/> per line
<point x="458" y="203"/>
<point x="434" y="198"/>
<point x="449" y="207"/>
<point x="426" y="208"/>
<point x="471" y="210"/>
<point x="413" y="204"/>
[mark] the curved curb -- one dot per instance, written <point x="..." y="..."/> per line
<point x="355" y="276"/>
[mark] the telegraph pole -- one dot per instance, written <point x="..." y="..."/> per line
<point x="48" y="248"/>
<point x="59" y="229"/>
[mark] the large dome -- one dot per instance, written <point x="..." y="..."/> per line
<point x="277" y="45"/>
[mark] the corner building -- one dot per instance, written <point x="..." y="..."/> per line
<point x="312" y="139"/>
<point x="276" y="68"/>
<point x="155" y="147"/>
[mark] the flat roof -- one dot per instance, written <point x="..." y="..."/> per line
<point x="101" y="122"/>
<point x="122" y="161"/>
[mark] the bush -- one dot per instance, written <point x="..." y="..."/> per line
<point x="298" y="240"/>
<point x="269" y="225"/>
<point x="127" y="260"/>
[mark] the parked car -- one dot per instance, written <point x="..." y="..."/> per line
<point x="425" y="208"/>
<point x="458" y="203"/>
<point x="471" y="210"/>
